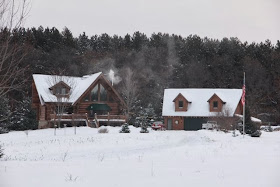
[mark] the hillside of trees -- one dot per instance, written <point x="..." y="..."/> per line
<point x="144" y="66"/>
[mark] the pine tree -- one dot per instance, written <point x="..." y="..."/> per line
<point x="67" y="38"/>
<point x="125" y="128"/>
<point x="24" y="117"/>
<point x="5" y="113"/>
<point x="83" y="43"/>
<point x="250" y="127"/>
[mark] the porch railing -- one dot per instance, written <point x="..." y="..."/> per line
<point x="96" y="118"/>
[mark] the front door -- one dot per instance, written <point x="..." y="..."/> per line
<point x="169" y="124"/>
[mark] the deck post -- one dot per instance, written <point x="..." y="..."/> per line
<point x="95" y="117"/>
<point x="73" y="123"/>
<point x="108" y="119"/>
<point x="54" y="119"/>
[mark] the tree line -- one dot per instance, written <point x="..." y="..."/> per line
<point x="145" y="65"/>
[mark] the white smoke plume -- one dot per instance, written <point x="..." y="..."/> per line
<point x="115" y="79"/>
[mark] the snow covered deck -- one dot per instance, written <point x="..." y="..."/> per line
<point x="84" y="117"/>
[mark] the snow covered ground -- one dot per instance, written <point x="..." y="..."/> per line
<point x="163" y="158"/>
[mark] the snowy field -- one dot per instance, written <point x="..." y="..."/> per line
<point x="163" y="158"/>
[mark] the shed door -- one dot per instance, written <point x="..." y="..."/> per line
<point x="169" y="124"/>
<point x="193" y="123"/>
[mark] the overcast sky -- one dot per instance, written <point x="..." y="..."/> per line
<point x="249" y="20"/>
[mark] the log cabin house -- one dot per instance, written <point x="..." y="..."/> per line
<point x="188" y="109"/>
<point x="89" y="100"/>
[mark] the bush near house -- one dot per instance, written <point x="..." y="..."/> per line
<point x="144" y="129"/>
<point x="125" y="128"/>
<point x="103" y="130"/>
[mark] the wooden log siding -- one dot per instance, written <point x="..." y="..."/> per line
<point x="42" y="113"/>
<point x="82" y="107"/>
<point x="35" y="96"/>
<point x="49" y="111"/>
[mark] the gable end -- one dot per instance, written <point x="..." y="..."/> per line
<point x="181" y="103"/>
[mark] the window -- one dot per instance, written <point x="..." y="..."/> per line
<point x="57" y="90"/>
<point x="63" y="91"/>
<point x="215" y="104"/>
<point x="60" y="91"/>
<point x="181" y="104"/>
<point x="103" y="93"/>
<point x="86" y="98"/>
<point x="94" y="93"/>
<point x="98" y="93"/>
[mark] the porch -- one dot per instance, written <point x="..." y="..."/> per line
<point x="95" y="121"/>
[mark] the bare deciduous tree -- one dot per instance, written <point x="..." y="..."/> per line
<point x="225" y="120"/>
<point x="12" y="15"/>
<point x="61" y="88"/>
<point x="129" y="89"/>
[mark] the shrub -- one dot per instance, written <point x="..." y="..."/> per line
<point x="103" y="130"/>
<point x="144" y="129"/>
<point x="257" y="133"/>
<point x="125" y="128"/>
<point x="276" y="128"/>
<point x="270" y="129"/>
<point x="3" y="130"/>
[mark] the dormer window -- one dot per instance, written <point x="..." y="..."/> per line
<point x="215" y="104"/>
<point x="60" y="89"/>
<point x="181" y="104"/>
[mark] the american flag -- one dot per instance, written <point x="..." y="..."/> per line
<point x="243" y="95"/>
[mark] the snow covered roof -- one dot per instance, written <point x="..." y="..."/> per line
<point x="252" y="118"/>
<point x="78" y="84"/>
<point x="199" y="107"/>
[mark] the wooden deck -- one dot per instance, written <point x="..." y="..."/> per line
<point x="90" y="121"/>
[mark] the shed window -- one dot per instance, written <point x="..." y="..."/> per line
<point x="181" y="104"/>
<point x="215" y="104"/>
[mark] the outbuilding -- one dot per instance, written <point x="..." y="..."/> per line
<point x="188" y="109"/>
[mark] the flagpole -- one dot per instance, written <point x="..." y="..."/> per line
<point x="244" y="109"/>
